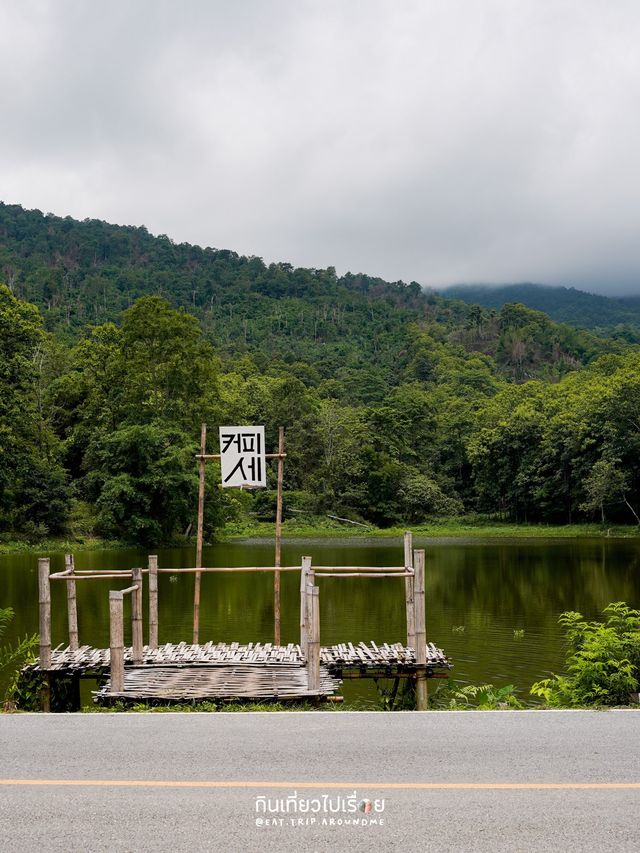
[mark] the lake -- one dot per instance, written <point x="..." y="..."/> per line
<point x="478" y="592"/>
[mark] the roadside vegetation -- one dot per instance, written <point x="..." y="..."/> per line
<point x="603" y="661"/>
<point x="12" y="658"/>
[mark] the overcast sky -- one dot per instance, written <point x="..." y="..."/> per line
<point x="439" y="141"/>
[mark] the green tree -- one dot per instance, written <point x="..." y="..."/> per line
<point x="605" y="484"/>
<point x="169" y="370"/>
<point x="144" y="483"/>
<point x="32" y="483"/>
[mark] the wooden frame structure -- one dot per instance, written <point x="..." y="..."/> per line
<point x="413" y="573"/>
<point x="202" y="458"/>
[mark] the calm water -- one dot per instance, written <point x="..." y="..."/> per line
<point x="490" y="587"/>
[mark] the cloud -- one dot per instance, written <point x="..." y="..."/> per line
<point x="429" y="141"/>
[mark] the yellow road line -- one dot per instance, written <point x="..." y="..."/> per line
<point x="392" y="786"/>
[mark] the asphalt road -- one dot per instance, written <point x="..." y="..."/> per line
<point x="447" y="781"/>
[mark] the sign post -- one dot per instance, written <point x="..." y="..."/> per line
<point x="196" y="591"/>
<point x="277" y="563"/>
<point x="243" y="465"/>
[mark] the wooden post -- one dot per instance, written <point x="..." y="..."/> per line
<point x="72" y="605"/>
<point x="408" y="591"/>
<point x="153" y="601"/>
<point x="116" y="641"/>
<point x="313" y="648"/>
<point x="277" y="563"/>
<point x="44" y="602"/>
<point x="422" y="698"/>
<point x="308" y="606"/>
<point x="137" y="641"/>
<point x="304" y="574"/>
<point x="196" y="591"/>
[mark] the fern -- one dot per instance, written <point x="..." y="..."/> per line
<point x="603" y="664"/>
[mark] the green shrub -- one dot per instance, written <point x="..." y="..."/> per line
<point x="452" y="696"/>
<point x="603" y="661"/>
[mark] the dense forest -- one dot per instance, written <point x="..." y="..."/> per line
<point x="399" y="405"/>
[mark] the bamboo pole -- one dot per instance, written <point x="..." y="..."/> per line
<point x="219" y="455"/>
<point x="196" y="590"/>
<point x="422" y="698"/>
<point x="276" y="575"/>
<point x="91" y="576"/>
<point x="308" y="615"/>
<point x="364" y="574"/>
<point x="116" y="641"/>
<point x="72" y="604"/>
<point x="153" y="601"/>
<point x="313" y="649"/>
<point x="137" y="641"/>
<point x="304" y="572"/>
<point x="44" y="601"/>
<point x="408" y="591"/>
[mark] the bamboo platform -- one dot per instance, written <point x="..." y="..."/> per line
<point x="224" y="681"/>
<point x="183" y="672"/>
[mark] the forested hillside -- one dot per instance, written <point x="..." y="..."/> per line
<point x="619" y="318"/>
<point x="398" y="405"/>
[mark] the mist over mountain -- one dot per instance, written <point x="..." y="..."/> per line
<point x="564" y="304"/>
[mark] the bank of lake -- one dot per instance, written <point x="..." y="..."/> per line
<point x="323" y="528"/>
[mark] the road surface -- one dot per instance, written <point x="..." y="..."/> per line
<point x="441" y="781"/>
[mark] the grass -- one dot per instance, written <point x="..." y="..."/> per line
<point x="464" y="527"/>
<point x="196" y="707"/>
<point x="231" y="707"/>
<point x="60" y="544"/>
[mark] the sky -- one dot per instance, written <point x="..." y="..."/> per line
<point x="438" y="141"/>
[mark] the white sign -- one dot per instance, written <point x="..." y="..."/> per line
<point x="242" y="456"/>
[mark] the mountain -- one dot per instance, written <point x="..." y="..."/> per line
<point x="89" y="272"/>
<point x="564" y="304"/>
<point x="398" y="404"/>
